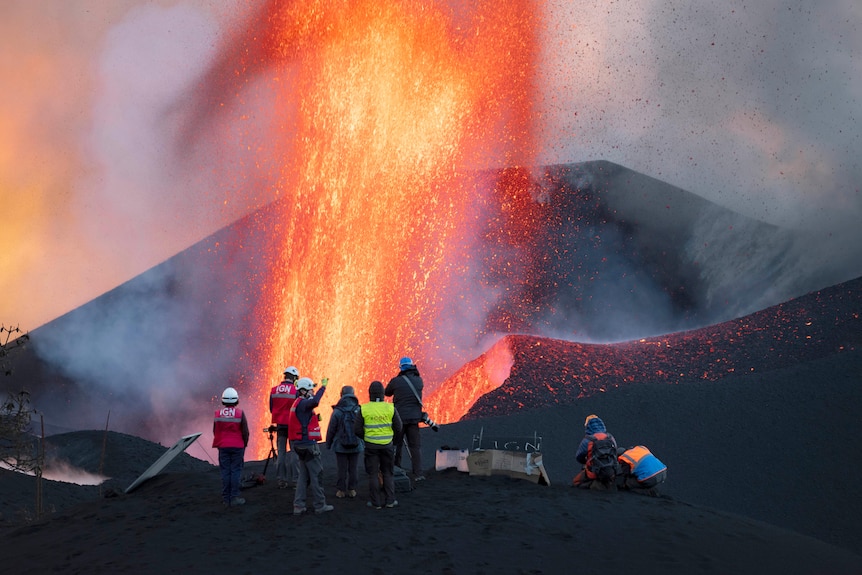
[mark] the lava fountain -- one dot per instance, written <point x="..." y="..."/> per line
<point x="391" y="107"/>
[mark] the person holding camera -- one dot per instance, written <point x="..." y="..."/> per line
<point x="405" y="389"/>
<point x="281" y="399"/>
<point x="377" y="423"/>
<point x="304" y="435"/>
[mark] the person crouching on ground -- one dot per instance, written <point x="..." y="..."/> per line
<point x="378" y="423"/>
<point x="598" y="454"/>
<point x="344" y="414"/>
<point x="304" y="433"/>
<point x="642" y="472"/>
<point x="230" y="437"/>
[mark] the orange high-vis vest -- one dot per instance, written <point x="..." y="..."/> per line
<point x="643" y="463"/>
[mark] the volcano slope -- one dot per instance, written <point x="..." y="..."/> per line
<point x="756" y="416"/>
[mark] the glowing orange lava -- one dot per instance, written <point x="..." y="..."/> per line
<point x="395" y="103"/>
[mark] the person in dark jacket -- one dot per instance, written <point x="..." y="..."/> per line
<point x="594" y="428"/>
<point x="347" y="458"/>
<point x="405" y="389"/>
<point x="378" y="423"/>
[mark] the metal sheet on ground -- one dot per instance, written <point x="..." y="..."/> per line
<point x="162" y="461"/>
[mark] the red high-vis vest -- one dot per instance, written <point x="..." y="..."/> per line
<point x="281" y="399"/>
<point x="227" y="431"/>
<point x="294" y="427"/>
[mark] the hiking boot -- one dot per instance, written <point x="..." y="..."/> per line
<point x="352" y="493"/>
<point x="237" y="501"/>
<point x="298" y="510"/>
<point x="324" y="509"/>
<point x="340" y="494"/>
<point x="371" y="505"/>
<point x="392" y="505"/>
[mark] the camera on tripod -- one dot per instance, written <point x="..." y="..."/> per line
<point x="429" y="422"/>
<point x="270" y="429"/>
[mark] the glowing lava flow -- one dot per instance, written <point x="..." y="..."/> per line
<point x="528" y="372"/>
<point x="392" y="102"/>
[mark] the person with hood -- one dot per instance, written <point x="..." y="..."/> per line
<point x="341" y="430"/>
<point x="377" y="423"/>
<point x="405" y="389"/>
<point x="597" y="452"/>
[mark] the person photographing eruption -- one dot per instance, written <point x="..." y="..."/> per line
<point x="405" y="389"/>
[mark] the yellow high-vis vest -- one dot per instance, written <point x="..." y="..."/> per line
<point x="378" y="417"/>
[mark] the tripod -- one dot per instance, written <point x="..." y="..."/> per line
<point x="272" y="453"/>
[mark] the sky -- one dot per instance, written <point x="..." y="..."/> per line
<point x="754" y="106"/>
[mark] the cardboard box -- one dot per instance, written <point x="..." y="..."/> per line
<point x="447" y="458"/>
<point x="517" y="464"/>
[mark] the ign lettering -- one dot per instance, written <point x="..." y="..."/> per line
<point x="525" y="444"/>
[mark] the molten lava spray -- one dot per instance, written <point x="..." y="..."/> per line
<point x="393" y="104"/>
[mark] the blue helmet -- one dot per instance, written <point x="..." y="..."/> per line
<point x="405" y="363"/>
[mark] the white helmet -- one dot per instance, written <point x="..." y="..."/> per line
<point x="229" y="396"/>
<point x="304" y="383"/>
<point x="291" y="371"/>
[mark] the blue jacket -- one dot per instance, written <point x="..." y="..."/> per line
<point x="642" y="463"/>
<point x="595" y="425"/>
<point x="305" y="409"/>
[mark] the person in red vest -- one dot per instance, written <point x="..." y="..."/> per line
<point x="230" y="437"/>
<point x="281" y="399"/>
<point x="304" y="435"/>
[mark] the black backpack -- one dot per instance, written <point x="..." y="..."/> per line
<point x="603" y="460"/>
<point x="346" y="435"/>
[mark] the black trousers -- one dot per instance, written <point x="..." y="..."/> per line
<point x="379" y="466"/>
<point x="411" y="432"/>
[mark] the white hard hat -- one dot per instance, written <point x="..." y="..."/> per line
<point x="291" y="371"/>
<point x="305" y="383"/>
<point x="229" y="396"/>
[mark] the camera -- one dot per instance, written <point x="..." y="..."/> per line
<point x="429" y="422"/>
<point x="270" y="429"/>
